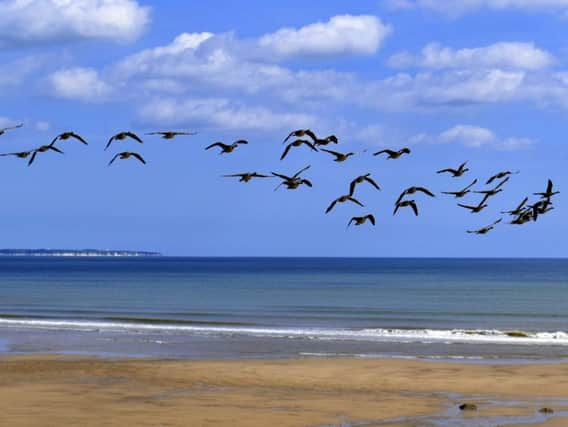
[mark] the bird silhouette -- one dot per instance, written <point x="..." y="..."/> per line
<point x="361" y="179"/>
<point x="405" y="204"/>
<point x="549" y="191"/>
<point x="294" y="181"/>
<point x="339" y="157"/>
<point x="121" y="136"/>
<point x="43" y="149"/>
<point x="4" y="130"/>
<point x="493" y="191"/>
<point x="343" y="199"/>
<point x="456" y="173"/>
<point x="19" y="154"/>
<point x="327" y="140"/>
<point x="227" y="148"/>
<point x="360" y="220"/>
<point x="67" y="135"/>
<point x="476" y="209"/>
<point x="519" y="209"/>
<point x="300" y="133"/>
<point x="392" y="154"/>
<point x="461" y="193"/>
<point x="500" y="175"/>
<point x="170" y="134"/>
<point x="247" y="176"/>
<point x="485" y="230"/>
<point x="126" y="155"/>
<point x="297" y="143"/>
<point x="414" y="190"/>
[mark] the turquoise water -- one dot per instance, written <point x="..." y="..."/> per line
<point x="273" y="307"/>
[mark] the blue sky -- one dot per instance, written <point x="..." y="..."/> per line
<point x="480" y="80"/>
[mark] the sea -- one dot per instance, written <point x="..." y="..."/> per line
<point x="474" y="310"/>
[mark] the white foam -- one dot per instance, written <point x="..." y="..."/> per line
<point x="372" y="334"/>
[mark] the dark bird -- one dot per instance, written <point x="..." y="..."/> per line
<point x="300" y="133"/>
<point x="455" y="172"/>
<point x="414" y="190"/>
<point x="392" y="154"/>
<point x="327" y="140"/>
<point x="540" y="208"/>
<point x="43" y="149"/>
<point x="247" y="176"/>
<point x="227" y="148"/>
<point x="170" y="134"/>
<point x="360" y="220"/>
<point x="294" y="181"/>
<point x="19" y="154"/>
<point x="339" y="157"/>
<point x="500" y="175"/>
<point x="343" y="199"/>
<point x="67" y="135"/>
<point x="126" y="155"/>
<point x="548" y="193"/>
<point x="4" y="130"/>
<point x="476" y="209"/>
<point x="122" y="136"/>
<point x="361" y="179"/>
<point x="297" y="143"/>
<point x="493" y="191"/>
<point x="485" y="230"/>
<point x="461" y="193"/>
<point x="519" y="209"/>
<point x="405" y="204"/>
<point x="523" y="217"/>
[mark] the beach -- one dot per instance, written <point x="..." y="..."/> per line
<point x="74" y="390"/>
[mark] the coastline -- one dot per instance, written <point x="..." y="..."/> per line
<point x="77" y="390"/>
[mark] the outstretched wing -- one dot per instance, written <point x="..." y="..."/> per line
<point x="372" y="182"/>
<point x="241" y="141"/>
<point x="371" y="218"/>
<point x="297" y="174"/>
<point x="112" y="138"/>
<point x="467" y="206"/>
<point x="32" y="158"/>
<point x="502" y="183"/>
<point x="139" y="157"/>
<point x="335" y="153"/>
<point x="389" y="152"/>
<point x="306" y="182"/>
<point x="414" y="208"/>
<point x="493" y="178"/>
<point x="114" y="158"/>
<point x="331" y="206"/>
<point x="286" y="151"/>
<point x="352" y="187"/>
<point x="258" y="175"/>
<point x="134" y="136"/>
<point x="54" y="148"/>
<point x="450" y="170"/>
<point x="217" y="144"/>
<point x="425" y="191"/>
<point x="354" y="200"/>
<point x="78" y="137"/>
<point x="284" y="177"/>
<point x="470" y="185"/>
<point x="404" y="193"/>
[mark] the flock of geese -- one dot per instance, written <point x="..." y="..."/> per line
<point x="523" y="213"/>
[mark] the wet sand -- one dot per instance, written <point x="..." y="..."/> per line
<point x="66" y="390"/>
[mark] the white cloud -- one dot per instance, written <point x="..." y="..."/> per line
<point x="220" y="113"/>
<point x="463" y="6"/>
<point x="43" y="21"/>
<point x="342" y="34"/>
<point x="509" y="55"/>
<point x="473" y="137"/>
<point x="78" y="83"/>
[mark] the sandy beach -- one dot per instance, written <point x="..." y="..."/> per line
<point x="67" y="390"/>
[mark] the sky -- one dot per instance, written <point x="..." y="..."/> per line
<point x="483" y="81"/>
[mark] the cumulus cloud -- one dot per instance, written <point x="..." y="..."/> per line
<point x="473" y="137"/>
<point x="29" y="22"/>
<point x="508" y="55"/>
<point x="78" y="83"/>
<point x="343" y="34"/>
<point x="220" y="113"/>
<point x="463" y="6"/>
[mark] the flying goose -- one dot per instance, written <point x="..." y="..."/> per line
<point x="19" y="154"/>
<point x="500" y="175"/>
<point x="360" y="220"/>
<point x="548" y="193"/>
<point x="361" y="179"/>
<point x="227" y="148"/>
<point x="456" y="173"/>
<point x="343" y="199"/>
<point x="3" y="130"/>
<point x="247" y="176"/>
<point x="392" y="154"/>
<point x="121" y="136"/>
<point x="126" y="155"/>
<point x="43" y="149"/>
<point x="67" y="135"/>
<point x="523" y="217"/>
<point x="413" y="190"/>
<point x="294" y="181"/>
<point x="170" y="134"/>
<point x="485" y="230"/>
<point x="519" y="209"/>
<point x="540" y="208"/>
<point x="405" y="204"/>
<point x="300" y="133"/>
<point x="461" y="193"/>
<point x="493" y="191"/>
<point x="339" y="157"/>
<point x="297" y="143"/>
<point x="327" y="140"/>
<point x="475" y="209"/>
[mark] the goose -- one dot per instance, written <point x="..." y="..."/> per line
<point x="300" y="133"/>
<point x="519" y="209"/>
<point x="475" y="209"/>
<point x="360" y="220"/>
<point x="495" y="190"/>
<point x="294" y="181"/>
<point x="121" y="136"/>
<point x="227" y="148"/>
<point x="170" y="134"/>
<point x="361" y="179"/>
<point x="485" y="230"/>
<point x="500" y="175"/>
<point x="339" y="157"/>
<point x="548" y="193"/>
<point x="297" y="143"/>
<point x="404" y="204"/>
<point x="327" y="140"/>
<point x="343" y="199"/>
<point x="19" y="154"/>
<point x="126" y="155"/>
<point x="4" y="130"/>
<point x="456" y="173"/>
<point x="67" y="135"/>
<point x="43" y="149"/>
<point x="540" y="208"/>
<point x="524" y="217"/>
<point x="414" y="190"/>
<point x="247" y="176"/>
<point x="462" y="193"/>
<point x="392" y="154"/>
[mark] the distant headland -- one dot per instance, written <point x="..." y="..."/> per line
<point x="76" y="253"/>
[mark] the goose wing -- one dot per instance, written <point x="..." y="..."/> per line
<point x="112" y="138"/>
<point x="425" y="191"/>
<point x="470" y="185"/>
<point x="372" y="182"/>
<point x="331" y="206"/>
<point x="354" y="200"/>
<point x="139" y="157"/>
<point x="414" y="207"/>
<point x="116" y="156"/>
<point x="286" y="151"/>
<point x="32" y="158"/>
<point x="389" y="152"/>
<point x="450" y="170"/>
<point x="297" y="174"/>
<point x="217" y="144"/>
<point x="371" y="218"/>
<point x="133" y="136"/>
<point x="78" y="137"/>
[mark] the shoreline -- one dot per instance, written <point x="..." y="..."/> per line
<point x="85" y="390"/>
